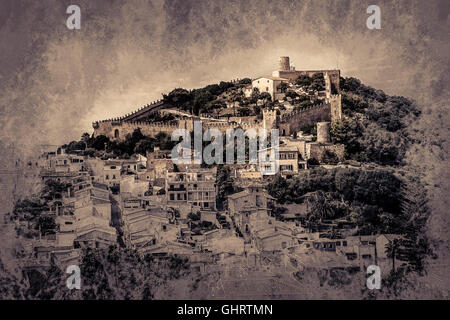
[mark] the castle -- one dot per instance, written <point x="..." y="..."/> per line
<point x="329" y="109"/>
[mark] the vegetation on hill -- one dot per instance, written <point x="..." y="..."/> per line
<point x="112" y="273"/>
<point x="134" y="143"/>
<point x="374" y="127"/>
<point x="33" y="211"/>
<point x="376" y="201"/>
<point x="315" y="82"/>
<point x="369" y="198"/>
<point x="202" y="100"/>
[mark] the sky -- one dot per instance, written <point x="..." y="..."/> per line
<point x="54" y="82"/>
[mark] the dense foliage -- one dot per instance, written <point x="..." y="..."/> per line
<point x="202" y="100"/>
<point x="374" y="125"/>
<point x="111" y="273"/>
<point x="376" y="201"/>
<point x="134" y="143"/>
<point x="370" y="198"/>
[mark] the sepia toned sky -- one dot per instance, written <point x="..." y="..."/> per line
<point x="54" y="81"/>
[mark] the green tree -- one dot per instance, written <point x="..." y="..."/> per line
<point x="255" y="95"/>
<point x="283" y="86"/>
<point x="224" y="183"/>
<point x="392" y="248"/>
<point x="304" y="81"/>
<point x="145" y="145"/>
<point x="265" y="96"/>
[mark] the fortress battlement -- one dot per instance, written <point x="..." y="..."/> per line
<point x="293" y="114"/>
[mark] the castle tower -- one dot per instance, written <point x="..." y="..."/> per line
<point x="284" y="64"/>
<point x="335" y="101"/>
<point x="323" y="132"/>
<point x="327" y="85"/>
<point x="269" y="119"/>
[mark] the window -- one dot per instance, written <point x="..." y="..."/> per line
<point x="206" y="204"/>
<point x="366" y="256"/>
<point x="351" y="256"/>
<point x="338" y="243"/>
<point x="113" y="167"/>
<point x="107" y="177"/>
<point x="172" y="197"/>
<point x="344" y="243"/>
<point x="283" y="245"/>
<point x="114" y="177"/>
<point x="267" y="88"/>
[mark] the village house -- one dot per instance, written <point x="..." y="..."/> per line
<point x="270" y="85"/>
<point x="136" y="163"/>
<point x="194" y="186"/>
<point x="158" y="162"/>
<point x="145" y="228"/>
<point x="92" y="211"/>
<point x="249" y="208"/>
<point x="112" y="171"/>
<point x="273" y="239"/>
<point x="289" y="161"/>
<point x="131" y="187"/>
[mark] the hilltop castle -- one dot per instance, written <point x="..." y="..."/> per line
<point x="326" y="108"/>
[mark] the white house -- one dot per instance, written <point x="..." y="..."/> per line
<point x="269" y="84"/>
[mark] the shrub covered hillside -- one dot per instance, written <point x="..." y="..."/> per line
<point x="374" y="126"/>
<point x="385" y="196"/>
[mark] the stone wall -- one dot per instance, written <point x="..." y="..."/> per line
<point x="292" y="75"/>
<point x="336" y="107"/>
<point x="118" y="130"/>
<point x="317" y="150"/>
<point x="291" y="123"/>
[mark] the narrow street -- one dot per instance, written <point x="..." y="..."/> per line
<point x="116" y="216"/>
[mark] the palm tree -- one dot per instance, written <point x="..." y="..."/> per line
<point x="391" y="250"/>
<point x="319" y="202"/>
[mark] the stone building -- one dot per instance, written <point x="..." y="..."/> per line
<point x="194" y="186"/>
<point x="270" y="85"/>
<point x="323" y="148"/>
<point x="250" y="208"/>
